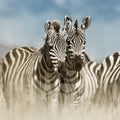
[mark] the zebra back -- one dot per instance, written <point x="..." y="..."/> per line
<point x="89" y="73"/>
<point x="109" y="80"/>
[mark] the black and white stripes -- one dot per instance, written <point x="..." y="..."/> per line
<point x="60" y="73"/>
<point x="109" y="80"/>
<point x="80" y="79"/>
<point x="30" y="73"/>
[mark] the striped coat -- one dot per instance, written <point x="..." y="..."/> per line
<point x="30" y="75"/>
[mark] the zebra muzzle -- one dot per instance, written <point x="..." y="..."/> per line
<point x="78" y="62"/>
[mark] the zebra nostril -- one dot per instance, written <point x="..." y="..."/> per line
<point x="51" y="47"/>
<point x="68" y="42"/>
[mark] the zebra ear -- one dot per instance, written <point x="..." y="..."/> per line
<point x="48" y="27"/>
<point x="67" y="23"/>
<point x="86" y="22"/>
<point x="76" y="24"/>
<point x="67" y="18"/>
<point x="56" y="25"/>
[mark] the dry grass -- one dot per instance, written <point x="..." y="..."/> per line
<point x="93" y="113"/>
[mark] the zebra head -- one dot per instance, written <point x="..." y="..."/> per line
<point x="56" y="43"/>
<point x="76" y="40"/>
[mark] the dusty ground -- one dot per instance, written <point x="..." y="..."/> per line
<point x="93" y="113"/>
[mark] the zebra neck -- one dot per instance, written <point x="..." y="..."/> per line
<point x="47" y="61"/>
<point x="72" y="74"/>
<point x="44" y="72"/>
<point x="46" y="56"/>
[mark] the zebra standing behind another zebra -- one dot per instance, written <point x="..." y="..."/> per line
<point x="2" y="101"/>
<point x="30" y="75"/>
<point x="78" y="74"/>
<point x="109" y="81"/>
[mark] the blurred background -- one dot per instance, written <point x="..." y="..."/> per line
<point x="22" y="23"/>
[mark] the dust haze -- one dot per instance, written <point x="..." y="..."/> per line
<point x="87" y="112"/>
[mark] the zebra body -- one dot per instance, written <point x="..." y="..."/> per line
<point x="2" y="101"/>
<point x="80" y="87"/>
<point x="18" y="69"/>
<point x="90" y="76"/>
<point x="109" y="80"/>
<point x="70" y="87"/>
<point x="32" y="74"/>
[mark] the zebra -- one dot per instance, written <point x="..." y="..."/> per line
<point x="101" y="79"/>
<point x="1" y="71"/>
<point x="31" y="74"/>
<point x="109" y="80"/>
<point x="78" y="73"/>
<point x="2" y="101"/>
